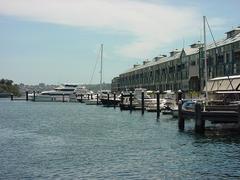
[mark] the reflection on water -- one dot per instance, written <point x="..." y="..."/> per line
<point x="75" y="141"/>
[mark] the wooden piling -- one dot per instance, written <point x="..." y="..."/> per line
<point x="34" y="95"/>
<point x="114" y="99"/>
<point x="81" y="97"/>
<point x="11" y="97"/>
<point x="26" y="95"/>
<point x="199" y="121"/>
<point x="121" y="98"/>
<point x="130" y="99"/>
<point x="97" y="99"/>
<point x="158" y="105"/>
<point x="107" y="99"/>
<point x="121" y="101"/>
<point x="181" y="120"/>
<point x="142" y="102"/>
<point x="238" y="115"/>
<point x="91" y="96"/>
<point x="63" y="98"/>
<point x="88" y="96"/>
<point x="179" y="95"/>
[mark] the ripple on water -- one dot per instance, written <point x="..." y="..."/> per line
<point x="75" y="141"/>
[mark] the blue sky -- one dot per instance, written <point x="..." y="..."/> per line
<point x="58" y="41"/>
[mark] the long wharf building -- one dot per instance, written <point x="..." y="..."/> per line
<point x="184" y="69"/>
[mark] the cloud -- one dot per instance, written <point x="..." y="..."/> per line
<point x="152" y="24"/>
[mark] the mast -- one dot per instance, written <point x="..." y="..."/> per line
<point x="205" y="58"/>
<point x="101" y="67"/>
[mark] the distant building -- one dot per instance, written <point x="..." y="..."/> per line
<point x="184" y="69"/>
<point x="115" y="86"/>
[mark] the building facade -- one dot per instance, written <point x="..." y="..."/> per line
<point x="184" y="69"/>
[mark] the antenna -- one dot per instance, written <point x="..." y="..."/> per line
<point x="183" y="45"/>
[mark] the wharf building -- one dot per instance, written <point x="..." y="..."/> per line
<point x="184" y="69"/>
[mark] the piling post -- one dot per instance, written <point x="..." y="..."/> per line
<point x="97" y="99"/>
<point x="114" y="100"/>
<point x="11" y="97"/>
<point x="121" y="102"/>
<point x="199" y="121"/>
<point x="179" y="95"/>
<point x="158" y="105"/>
<point x="91" y="96"/>
<point x="142" y="102"/>
<point x="26" y="95"/>
<point x="81" y="96"/>
<point x="34" y="95"/>
<point x="121" y="98"/>
<point x="63" y="97"/>
<point x="88" y="96"/>
<point x="181" y="120"/>
<point x="238" y="115"/>
<point x="107" y="99"/>
<point x="130" y="99"/>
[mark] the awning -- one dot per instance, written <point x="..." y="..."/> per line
<point x="223" y="85"/>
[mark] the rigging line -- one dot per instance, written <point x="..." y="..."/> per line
<point x="216" y="47"/>
<point x="95" y="66"/>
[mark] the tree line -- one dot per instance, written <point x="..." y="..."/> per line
<point x="7" y="87"/>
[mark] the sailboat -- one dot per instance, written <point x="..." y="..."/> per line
<point x="96" y="99"/>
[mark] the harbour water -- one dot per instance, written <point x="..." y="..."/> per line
<point x="75" y="141"/>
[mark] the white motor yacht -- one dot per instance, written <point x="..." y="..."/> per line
<point x="63" y="93"/>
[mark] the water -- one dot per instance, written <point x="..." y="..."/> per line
<point x="75" y="141"/>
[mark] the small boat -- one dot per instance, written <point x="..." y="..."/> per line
<point x="83" y="94"/>
<point x="108" y="100"/>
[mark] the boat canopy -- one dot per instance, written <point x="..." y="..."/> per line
<point x="226" y="83"/>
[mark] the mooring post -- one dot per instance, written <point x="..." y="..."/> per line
<point x="142" y="102"/>
<point x="63" y="97"/>
<point x="199" y="121"/>
<point x="158" y="105"/>
<point x="81" y="97"/>
<point x="181" y="120"/>
<point x="91" y="96"/>
<point x="114" y="100"/>
<point x="130" y="99"/>
<point x="121" y="102"/>
<point x="11" y="97"/>
<point x="97" y="99"/>
<point x="88" y="96"/>
<point x="238" y="110"/>
<point x="121" y="98"/>
<point x="108" y="99"/>
<point x="179" y="95"/>
<point x="26" y="95"/>
<point x="34" y="95"/>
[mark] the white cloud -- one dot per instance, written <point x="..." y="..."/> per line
<point x="152" y="24"/>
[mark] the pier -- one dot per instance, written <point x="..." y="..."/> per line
<point x="214" y="114"/>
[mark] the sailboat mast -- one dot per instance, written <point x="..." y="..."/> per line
<point x="205" y="57"/>
<point x="101" y="67"/>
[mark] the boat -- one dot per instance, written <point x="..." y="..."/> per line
<point x="83" y="94"/>
<point x="107" y="98"/>
<point x="136" y="100"/>
<point x="63" y="93"/>
<point x="95" y="100"/>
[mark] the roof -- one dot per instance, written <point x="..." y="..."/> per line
<point x="190" y="51"/>
<point x="152" y="63"/>
<point x="224" y="41"/>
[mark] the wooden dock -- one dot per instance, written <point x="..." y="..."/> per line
<point x="214" y="114"/>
